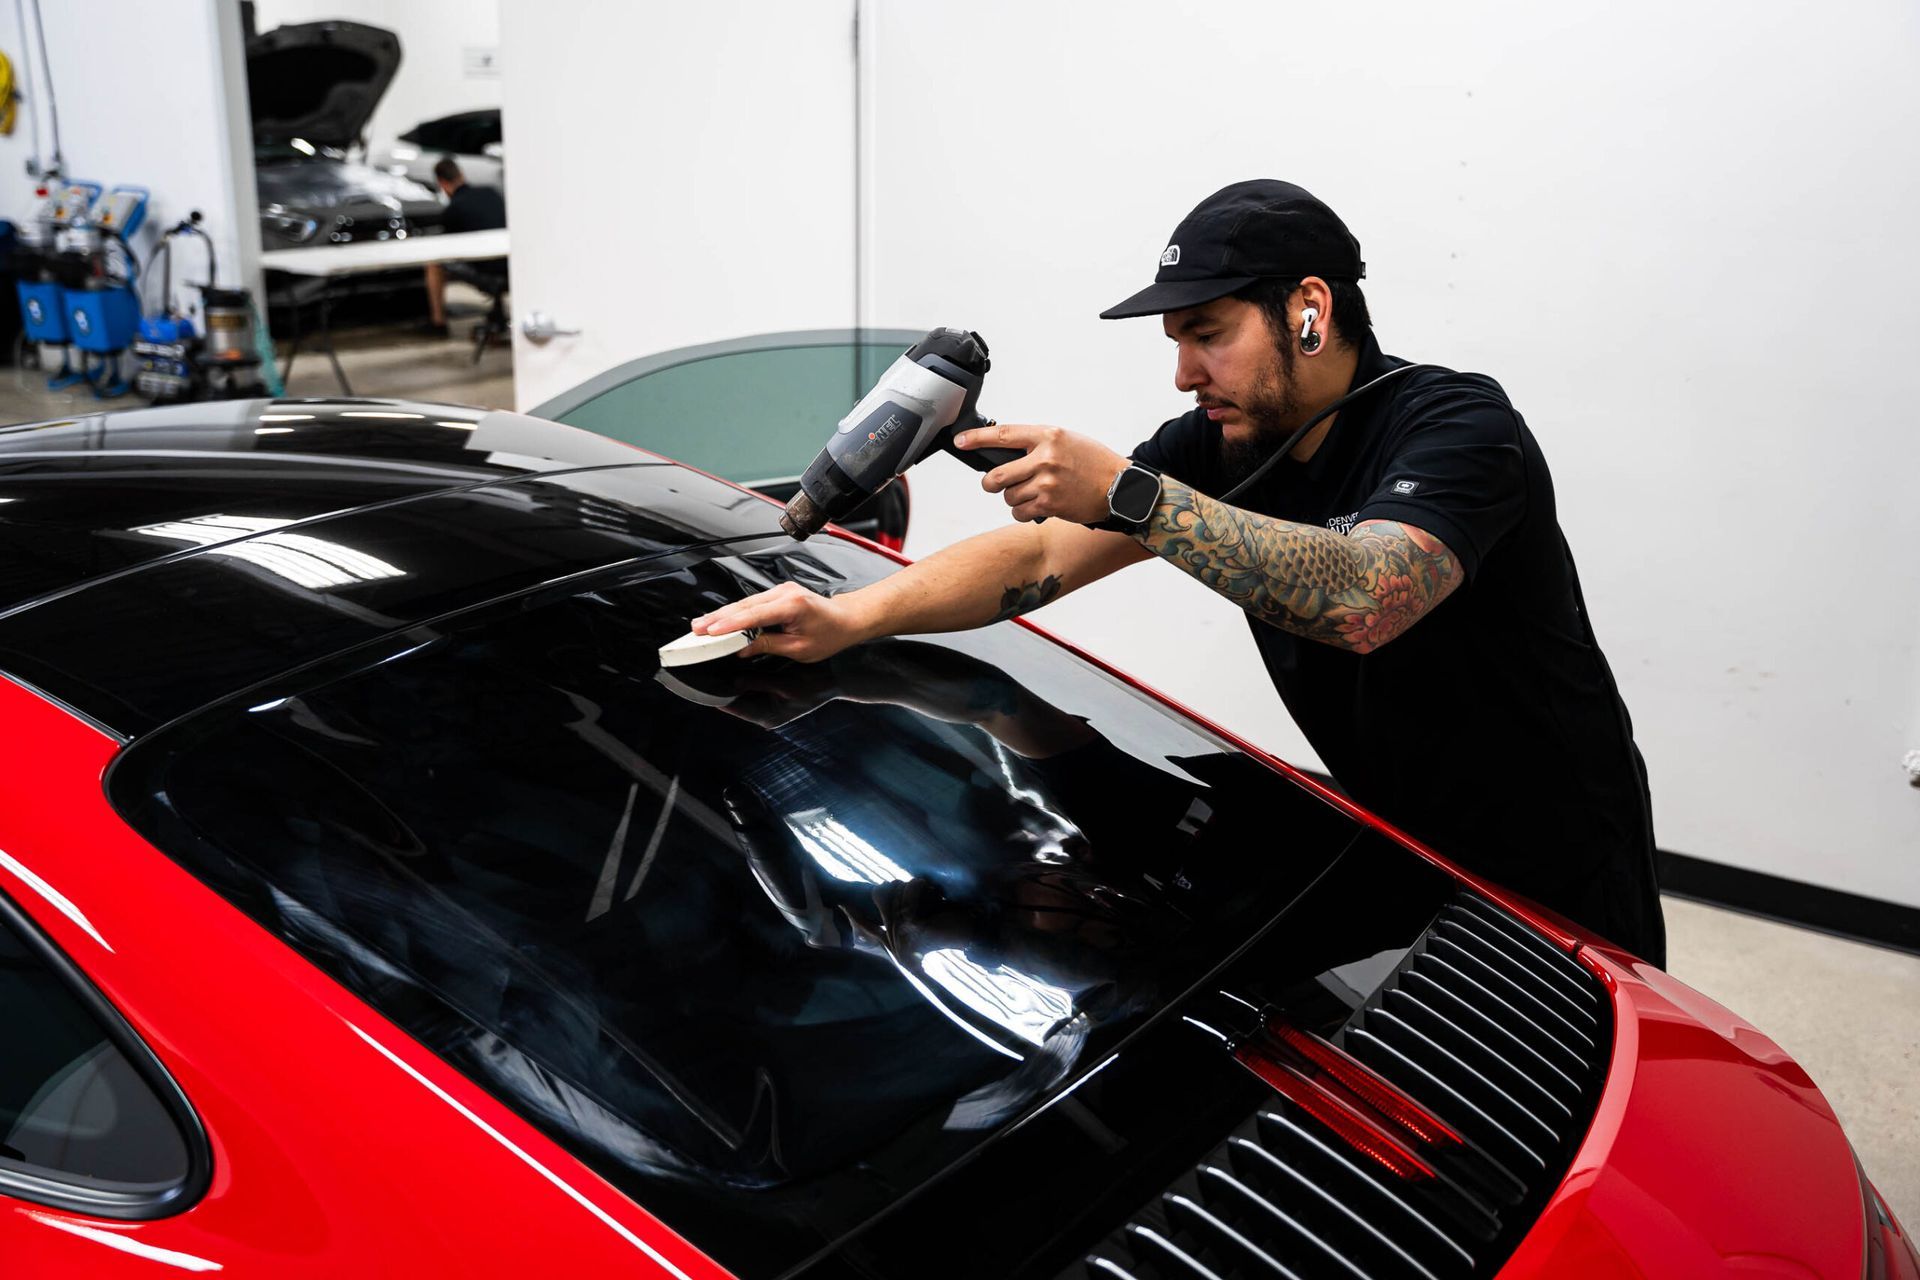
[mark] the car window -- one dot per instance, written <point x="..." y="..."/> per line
<point x="736" y="935"/>
<point x="476" y="132"/>
<point x="462" y="134"/>
<point x="434" y="135"/>
<point x="746" y="416"/>
<point x="80" y="1124"/>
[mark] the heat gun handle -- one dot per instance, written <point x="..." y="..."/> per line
<point x="984" y="459"/>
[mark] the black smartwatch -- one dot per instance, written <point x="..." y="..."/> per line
<point x="1131" y="498"/>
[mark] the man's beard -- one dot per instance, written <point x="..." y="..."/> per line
<point x="1273" y="411"/>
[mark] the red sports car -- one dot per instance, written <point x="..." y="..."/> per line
<point x="372" y="903"/>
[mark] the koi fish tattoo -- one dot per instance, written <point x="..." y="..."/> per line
<point x="1355" y="591"/>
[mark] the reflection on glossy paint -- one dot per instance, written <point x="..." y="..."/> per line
<point x="1066" y="1092"/>
<point x="840" y="852"/>
<point x="566" y="1188"/>
<point x="1048" y="847"/>
<point x="127" y="1244"/>
<point x="926" y="993"/>
<point x="300" y="558"/>
<point x="1022" y="1004"/>
<point x="57" y="900"/>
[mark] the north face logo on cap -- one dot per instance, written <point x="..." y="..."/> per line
<point x="1170" y="256"/>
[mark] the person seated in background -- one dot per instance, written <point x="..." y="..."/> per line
<point x="469" y="208"/>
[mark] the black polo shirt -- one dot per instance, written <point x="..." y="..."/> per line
<point x="472" y="208"/>
<point x="1491" y="729"/>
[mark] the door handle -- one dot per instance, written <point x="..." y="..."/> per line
<point x="538" y="326"/>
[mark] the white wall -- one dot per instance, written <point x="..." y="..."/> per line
<point x="1681" y="236"/>
<point x="681" y="174"/>
<point x="435" y="78"/>
<point x="142" y="99"/>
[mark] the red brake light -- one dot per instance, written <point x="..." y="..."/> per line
<point x="1357" y="1079"/>
<point x="1352" y="1127"/>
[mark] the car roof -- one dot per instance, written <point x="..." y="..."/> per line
<point x="154" y="560"/>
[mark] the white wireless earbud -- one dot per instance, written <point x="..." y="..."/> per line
<point x="1309" y="337"/>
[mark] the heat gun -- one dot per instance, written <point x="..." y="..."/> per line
<point x="924" y="399"/>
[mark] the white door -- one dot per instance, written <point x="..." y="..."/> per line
<point x="681" y="174"/>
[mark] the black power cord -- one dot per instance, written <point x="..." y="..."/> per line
<point x="1299" y="435"/>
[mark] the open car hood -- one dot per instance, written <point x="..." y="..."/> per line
<point x="319" y="81"/>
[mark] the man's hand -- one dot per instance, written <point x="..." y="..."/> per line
<point x="812" y="627"/>
<point x="1063" y="474"/>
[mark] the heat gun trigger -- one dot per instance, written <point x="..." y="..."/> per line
<point x="979" y="459"/>
<point x="983" y="460"/>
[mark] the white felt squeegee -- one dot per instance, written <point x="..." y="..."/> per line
<point x="690" y="648"/>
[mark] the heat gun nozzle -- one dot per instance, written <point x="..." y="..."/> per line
<point x="802" y="518"/>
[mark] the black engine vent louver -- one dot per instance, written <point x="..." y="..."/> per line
<point x="1484" y="1025"/>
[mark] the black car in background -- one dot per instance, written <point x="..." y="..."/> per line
<point x="472" y="139"/>
<point x="312" y="86"/>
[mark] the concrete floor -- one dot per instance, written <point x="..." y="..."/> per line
<point x="1850" y="1014"/>
<point x="398" y="361"/>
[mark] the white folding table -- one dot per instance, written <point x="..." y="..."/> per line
<point x="331" y="262"/>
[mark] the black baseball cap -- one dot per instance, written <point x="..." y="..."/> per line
<point x="1264" y="229"/>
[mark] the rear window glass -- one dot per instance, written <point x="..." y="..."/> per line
<point x="766" y="944"/>
<point x="79" y="1125"/>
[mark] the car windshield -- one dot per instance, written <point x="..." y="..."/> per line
<point x="767" y="945"/>
<point x="754" y="415"/>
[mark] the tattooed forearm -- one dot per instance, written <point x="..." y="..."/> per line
<point x="1355" y="592"/>
<point x="1026" y="597"/>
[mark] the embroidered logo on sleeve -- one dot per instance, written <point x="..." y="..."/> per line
<point x="1405" y="486"/>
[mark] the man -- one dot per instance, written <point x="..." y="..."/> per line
<point x="469" y="208"/>
<point x="1402" y="567"/>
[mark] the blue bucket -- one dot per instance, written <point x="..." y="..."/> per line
<point x="102" y="320"/>
<point x="43" y="312"/>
